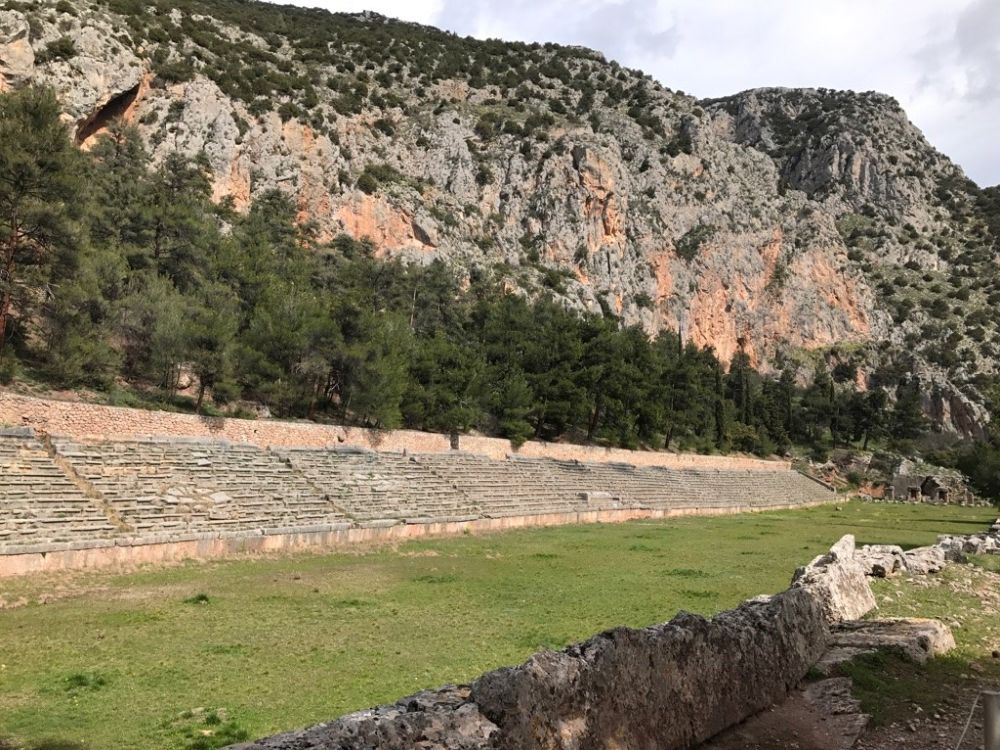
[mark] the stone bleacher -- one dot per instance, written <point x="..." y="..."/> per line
<point x="39" y="503"/>
<point x="80" y="492"/>
<point x="374" y="486"/>
<point x="161" y="487"/>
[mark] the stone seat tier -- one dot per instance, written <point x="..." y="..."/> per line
<point x="199" y="487"/>
<point x="38" y="502"/>
<point x="160" y="488"/>
<point x="383" y="486"/>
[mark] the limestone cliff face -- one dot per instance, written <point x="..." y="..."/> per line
<point x="771" y="220"/>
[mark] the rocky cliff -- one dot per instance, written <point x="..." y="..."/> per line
<point x="791" y="224"/>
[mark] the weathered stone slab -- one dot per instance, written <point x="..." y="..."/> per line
<point x="917" y="639"/>
<point x="925" y="560"/>
<point x="882" y="560"/>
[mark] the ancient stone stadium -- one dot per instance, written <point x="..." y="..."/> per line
<point x="365" y="385"/>
<point x="73" y="500"/>
<point x="87" y="486"/>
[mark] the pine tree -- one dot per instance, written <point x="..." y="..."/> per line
<point x="120" y="217"/>
<point x="377" y="381"/>
<point x="511" y="402"/>
<point x="39" y="189"/>
<point x="78" y="317"/>
<point x="721" y="415"/>
<point x="817" y="406"/>
<point x="907" y="421"/>
<point x="740" y="384"/>
<point x="446" y="385"/>
<point x="184" y="238"/>
<point x="210" y="338"/>
<point x="868" y="414"/>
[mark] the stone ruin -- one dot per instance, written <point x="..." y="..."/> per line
<point x="77" y="502"/>
<point x="670" y="686"/>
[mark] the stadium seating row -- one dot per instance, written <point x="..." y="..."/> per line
<point x="69" y="491"/>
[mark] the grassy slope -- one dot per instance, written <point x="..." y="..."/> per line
<point x="286" y="642"/>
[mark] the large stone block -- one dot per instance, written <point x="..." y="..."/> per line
<point x="839" y="581"/>
<point x="442" y="719"/>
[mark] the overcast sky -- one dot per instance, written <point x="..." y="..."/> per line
<point x="939" y="58"/>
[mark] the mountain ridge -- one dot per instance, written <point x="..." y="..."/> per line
<point x="790" y="224"/>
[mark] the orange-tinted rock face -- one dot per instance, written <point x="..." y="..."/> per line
<point x="599" y="202"/>
<point x="815" y="304"/>
<point x="312" y="197"/>
<point x="659" y="264"/>
<point x="389" y="228"/>
<point x="710" y="320"/>
<point x="235" y="185"/>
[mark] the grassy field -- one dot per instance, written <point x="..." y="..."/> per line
<point x="201" y="654"/>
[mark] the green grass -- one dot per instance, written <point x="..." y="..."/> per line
<point x="986" y="562"/>
<point x="195" y="655"/>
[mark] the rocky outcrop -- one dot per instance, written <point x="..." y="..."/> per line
<point x="879" y="559"/>
<point x="17" y="58"/>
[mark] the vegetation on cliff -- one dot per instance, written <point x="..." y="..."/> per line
<point x="149" y="282"/>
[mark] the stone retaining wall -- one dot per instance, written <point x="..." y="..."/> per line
<point x="92" y="421"/>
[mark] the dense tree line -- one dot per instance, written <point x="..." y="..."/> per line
<point x="118" y="269"/>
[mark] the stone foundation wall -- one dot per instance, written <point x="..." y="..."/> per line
<point x="92" y="421"/>
<point x="669" y="686"/>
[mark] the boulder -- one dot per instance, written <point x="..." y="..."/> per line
<point x="925" y="560"/>
<point x="882" y="560"/>
<point x="442" y="719"/>
<point x="953" y="547"/>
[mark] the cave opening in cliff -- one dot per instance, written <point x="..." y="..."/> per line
<point x="100" y="119"/>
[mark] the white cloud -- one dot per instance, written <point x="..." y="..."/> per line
<point x="420" y="11"/>
<point x="939" y="58"/>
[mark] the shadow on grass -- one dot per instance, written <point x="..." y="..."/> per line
<point x="952" y="521"/>
<point x="47" y="744"/>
